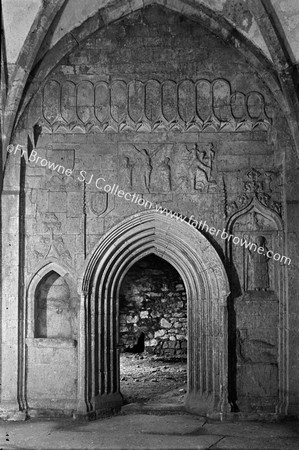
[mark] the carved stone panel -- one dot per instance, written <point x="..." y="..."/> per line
<point x="259" y="184"/>
<point x="150" y="105"/>
<point x="98" y="203"/>
<point x="162" y="168"/>
<point x="256" y="271"/>
<point x="194" y="165"/>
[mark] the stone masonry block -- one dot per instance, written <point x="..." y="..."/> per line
<point x="74" y="204"/>
<point x="57" y="202"/>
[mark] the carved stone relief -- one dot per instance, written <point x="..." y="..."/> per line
<point x="255" y="269"/>
<point x="57" y="178"/>
<point x="256" y="184"/>
<point x="127" y="172"/>
<point x="53" y="245"/>
<point x="260" y="265"/>
<point x="161" y="168"/>
<point x="51" y="223"/>
<point x="200" y="169"/>
<point x="143" y="169"/>
<point x="150" y="106"/>
<point x="194" y="166"/>
<point x="98" y="203"/>
<point x="165" y="173"/>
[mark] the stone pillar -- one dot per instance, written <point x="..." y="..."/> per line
<point x="10" y="363"/>
<point x="107" y="392"/>
<point x="207" y="358"/>
<point x="82" y="407"/>
<point x="291" y="334"/>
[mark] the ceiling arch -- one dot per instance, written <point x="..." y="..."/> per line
<point x="37" y="58"/>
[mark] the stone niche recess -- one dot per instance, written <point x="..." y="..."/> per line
<point x="51" y="342"/>
<point x="254" y="312"/>
<point x="54" y="312"/>
<point x="153" y="309"/>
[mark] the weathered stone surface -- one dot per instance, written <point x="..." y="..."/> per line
<point x="157" y="108"/>
<point x="257" y="350"/>
<point x="257" y="386"/>
<point x="165" y="324"/>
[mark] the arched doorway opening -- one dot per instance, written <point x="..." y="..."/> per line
<point x="153" y="333"/>
<point x="205" y="280"/>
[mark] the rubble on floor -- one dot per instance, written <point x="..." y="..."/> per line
<point x="150" y="378"/>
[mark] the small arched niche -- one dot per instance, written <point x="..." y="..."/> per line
<point x="253" y="224"/>
<point x="55" y="309"/>
<point x="255" y="309"/>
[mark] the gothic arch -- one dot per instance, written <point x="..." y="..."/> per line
<point x="254" y="206"/>
<point x="42" y="60"/>
<point x="207" y="290"/>
<point x="257" y="206"/>
<point x="44" y="269"/>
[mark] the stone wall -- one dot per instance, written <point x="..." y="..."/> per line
<point x="257" y="351"/>
<point x="161" y="108"/>
<point x="153" y="309"/>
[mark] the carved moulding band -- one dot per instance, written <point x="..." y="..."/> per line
<point x="207" y="290"/>
<point x="150" y="106"/>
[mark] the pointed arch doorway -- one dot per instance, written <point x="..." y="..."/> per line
<point x="206" y="284"/>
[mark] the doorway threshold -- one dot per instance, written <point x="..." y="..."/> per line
<point x="151" y="407"/>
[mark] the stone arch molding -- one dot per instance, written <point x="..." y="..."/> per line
<point x="33" y="55"/>
<point x="254" y="205"/>
<point x="207" y="290"/>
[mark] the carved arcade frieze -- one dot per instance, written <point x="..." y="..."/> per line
<point x="148" y="106"/>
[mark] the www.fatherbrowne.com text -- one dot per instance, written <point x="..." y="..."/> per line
<point x="138" y="199"/>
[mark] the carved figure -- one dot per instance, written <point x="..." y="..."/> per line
<point x="61" y="249"/>
<point x="147" y="171"/>
<point x="182" y="170"/>
<point x="260" y="266"/>
<point x="166" y="174"/>
<point x="127" y="170"/>
<point x="200" y="168"/>
<point x="144" y="169"/>
<point x="267" y="181"/>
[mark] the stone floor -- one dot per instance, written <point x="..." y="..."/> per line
<point x="145" y="378"/>
<point x="148" y="431"/>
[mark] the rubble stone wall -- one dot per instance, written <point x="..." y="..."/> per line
<point x="153" y="308"/>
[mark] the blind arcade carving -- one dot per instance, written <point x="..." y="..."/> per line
<point x="150" y="106"/>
